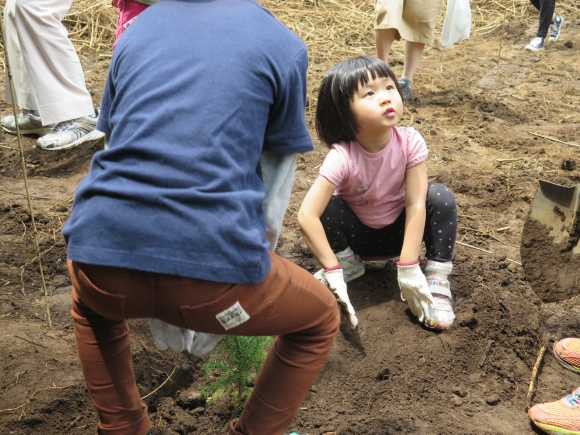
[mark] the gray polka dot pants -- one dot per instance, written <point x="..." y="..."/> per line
<point x="344" y="229"/>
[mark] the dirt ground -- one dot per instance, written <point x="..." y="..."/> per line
<point x="491" y="135"/>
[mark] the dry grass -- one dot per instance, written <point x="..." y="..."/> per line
<point x="332" y="29"/>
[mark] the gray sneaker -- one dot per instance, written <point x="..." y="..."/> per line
<point x="406" y="89"/>
<point x="69" y="134"/>
<point x="536" y="44"/>
<point x="556" y="28"/>
<point x="352" y="266"/>
<point x="28" y="122"/>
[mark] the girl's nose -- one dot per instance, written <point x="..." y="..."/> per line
<point x="385" y="97"/>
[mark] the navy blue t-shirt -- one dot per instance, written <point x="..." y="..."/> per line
<point x="196" y="91"/>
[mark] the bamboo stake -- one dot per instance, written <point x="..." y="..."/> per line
<point x="534" y="375"/>
<point x="19" y="139"/>
<point x="474" y="247"/>
<point x="554" y="139"/>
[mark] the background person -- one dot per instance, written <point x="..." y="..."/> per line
<point x="48" y="78"/>
<point x="169" y="223"/>
<point x="549" y="20"/>
<point x="412" y="20"/>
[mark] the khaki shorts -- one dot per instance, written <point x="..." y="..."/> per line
<point x="414" y="20"/>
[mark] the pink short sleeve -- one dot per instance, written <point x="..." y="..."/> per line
<point x="335" y="165"/>
<point x="416" y="148"/>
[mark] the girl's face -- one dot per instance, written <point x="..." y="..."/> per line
<point x="377" y="106"/>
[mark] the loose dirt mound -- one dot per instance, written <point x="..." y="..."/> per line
<point x="488" y="131"/>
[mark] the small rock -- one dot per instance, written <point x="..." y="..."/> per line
<point x="569" y="164"/>
<point x="190" y="398"/>
<point x="568" y="44"/>
<point x="197" y="411"/>
<point x="492" y="400"/>
<point x="460" y="391"/>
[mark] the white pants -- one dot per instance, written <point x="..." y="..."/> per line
<point x="46" y="70"/>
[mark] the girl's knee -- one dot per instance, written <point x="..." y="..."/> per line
<point x="440" y="194"/>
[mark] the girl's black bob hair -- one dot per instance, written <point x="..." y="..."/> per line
<point x="334" y="118"/>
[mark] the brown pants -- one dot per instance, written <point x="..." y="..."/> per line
<point x="289" y="303"/>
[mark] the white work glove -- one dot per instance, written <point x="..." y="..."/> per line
<point x="203" y="343"/>
<point x="166" y="335"/>
<point x="415" y="290"/>
<point x="180" y="339"/>
<point x="336" y="284"/>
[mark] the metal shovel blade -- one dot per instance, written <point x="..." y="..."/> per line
<point x="549" y="246"/>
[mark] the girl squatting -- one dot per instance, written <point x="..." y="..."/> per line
<point x="372" y="199"/>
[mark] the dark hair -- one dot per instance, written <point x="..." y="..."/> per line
<point x="334" y="118"/>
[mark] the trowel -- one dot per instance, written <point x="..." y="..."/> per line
<point x="549" y="247"/>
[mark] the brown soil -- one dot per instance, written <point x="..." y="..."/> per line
<point x="391" y="376"/>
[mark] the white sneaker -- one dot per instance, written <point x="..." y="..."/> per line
<point x="536" y="44"/>
<point x="28" y="123"/>
<point x="441" y="313"/>
<point x="69" y="134"/>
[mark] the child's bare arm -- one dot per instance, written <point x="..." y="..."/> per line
<point x="309" y="214"/>
<point x="415" y="198"/>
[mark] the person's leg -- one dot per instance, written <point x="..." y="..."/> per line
<point x="384" y="40"/>
<point x="413" y="53"/>
<point x="54" y="69"/>
<point x="439" y="236"/>
<point x="104" y="348"/>
<point x="546" y="17"/>
<point x="343" y="229"/>
<point x="441" y="223"/>
<point x="22" y="87"/>
<point x="289" y="303"/>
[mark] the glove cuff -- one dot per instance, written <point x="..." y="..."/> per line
<point x="409" y="272"/>
<point x="413" y="263"/>
<point x="337" y="267"/>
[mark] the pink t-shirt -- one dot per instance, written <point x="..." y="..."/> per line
<point x="373" y="184"/>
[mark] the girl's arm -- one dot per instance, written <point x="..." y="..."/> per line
<point x="309" y="214"/>
<point x="415" y="198"/>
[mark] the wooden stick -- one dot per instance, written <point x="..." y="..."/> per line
<point x="164" y="382"/>
<point x="474" y="247"/>
<point x="485" y="234"/>
<point x="487" y="348"/>
<point x="33" y="394"/>
<point x="534" y="375"/>
<point x="514" y="261"/>
<point x="554" y="139"/>
<point x="500" y="42"/>
<point x="33" y="342"/>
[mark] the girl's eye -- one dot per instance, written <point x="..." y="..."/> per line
<point x="369" y="94"/>
<point x="390" y="87"/>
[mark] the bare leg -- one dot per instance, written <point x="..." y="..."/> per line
<point x="384" y="39"/>
<point x="413" y="52"/>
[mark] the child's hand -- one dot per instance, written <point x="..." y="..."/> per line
<point x="415" y="290"/>
<point x="336" y="284"/>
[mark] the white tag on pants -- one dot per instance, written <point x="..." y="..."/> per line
<point x="233" y="316"/>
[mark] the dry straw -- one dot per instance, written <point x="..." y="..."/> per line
<point x="333" y="29"/>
